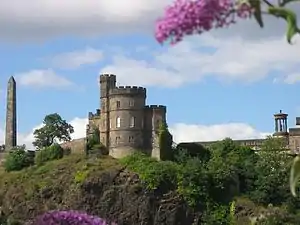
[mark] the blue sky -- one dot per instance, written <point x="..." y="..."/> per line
<point x="214" y="86"/>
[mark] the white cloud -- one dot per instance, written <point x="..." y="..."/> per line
<point x="192" y="132"/>
<point x="76" y="59"/>
<point x="181" y="132"/>
<point x="33" y="20"/>
<point x="79" y="125"/>
<point x="196" y="58"/>
<point x="42" y="78"/>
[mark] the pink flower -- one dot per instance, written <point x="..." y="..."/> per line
<point x="187" y="17"/>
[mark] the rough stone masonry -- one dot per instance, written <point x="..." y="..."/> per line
<point x="11" y="115"/>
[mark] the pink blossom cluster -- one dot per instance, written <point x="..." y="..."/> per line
<point x="68" y="218"/>
<point x="187" y="17"/>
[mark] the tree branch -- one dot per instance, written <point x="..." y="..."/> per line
<point x="268" y="3"/>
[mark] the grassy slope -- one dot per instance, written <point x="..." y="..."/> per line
<point x="45" y="187"/>
<point x="29" y="192"/>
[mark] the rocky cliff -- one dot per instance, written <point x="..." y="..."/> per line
<point x="100" y="187"/>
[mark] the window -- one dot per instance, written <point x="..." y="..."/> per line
<point x="118" y="104"/>
<point x="131" y="103"/>
<point x="118" y="122"/>
<point x="118" y="140"/>
<point x="131" y="139"/>
<point x="132" y="121"/>
<point x="103" y="106"/>
<point x="109" y="123"/>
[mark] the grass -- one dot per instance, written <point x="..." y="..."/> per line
<point x="55" y="169"/>
<point x="36" y="185"/>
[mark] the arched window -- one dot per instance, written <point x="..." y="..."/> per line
<point x="118" y="122"/>
<point x="132" y="121"/>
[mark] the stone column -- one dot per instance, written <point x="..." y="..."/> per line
<point x="11" y="115"/>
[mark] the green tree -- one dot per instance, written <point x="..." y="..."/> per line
<point x="193" y="182"/>
<point x="18" y="159"/>
<point x="54" y="128"/>
<point x="272" y="169"/>
<point x="231" y="170"/>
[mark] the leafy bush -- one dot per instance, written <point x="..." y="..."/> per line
<point x="193" y="183"/>
<point x="272" y="168"/>
<point x="94" y="146"/>
<point x="211" y="179"/>
<point x="52" y="152"/>
<point x="217" y="214"/>
<point x="18" y="159"/>
<point x="68" y="218"/>
<point x="189" y="179"/>
<point x="184" y="151"/>
<point x="154" y="173"/>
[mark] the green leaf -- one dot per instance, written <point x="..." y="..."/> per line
<point x="292" y="27"/>
<point x="290" y="17"/>
<point x="295" y="175"/>
<point x="256" y="5"/>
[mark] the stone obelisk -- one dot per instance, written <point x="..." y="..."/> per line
<point x="11" y="115"/>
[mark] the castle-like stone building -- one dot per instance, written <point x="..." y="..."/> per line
<point x="125" y="123"/>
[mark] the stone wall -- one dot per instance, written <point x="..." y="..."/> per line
<point x="76" y="145"/>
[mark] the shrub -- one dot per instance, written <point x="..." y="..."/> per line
<point x="18" y="159"/>
<point x="50" y="153"/>
<point x="68" y="218"/>
<point x="154" y="173"/>
<point x="98" y="150"/>
<point x="217" y="214"/>
<point x="193" y="183"/>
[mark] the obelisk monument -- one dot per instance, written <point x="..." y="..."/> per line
<point x="11" y="115"/>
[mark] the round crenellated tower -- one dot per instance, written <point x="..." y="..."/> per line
<point x="126" y="115"/>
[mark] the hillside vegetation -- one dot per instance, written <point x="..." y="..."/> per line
<point x="226" y="184"/>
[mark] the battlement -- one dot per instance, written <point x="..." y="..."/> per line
<point x="128" y="90"/>
<point x="156" y="107"/>
<point x="94" y="115"/>
<point x="107" y="77"/>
